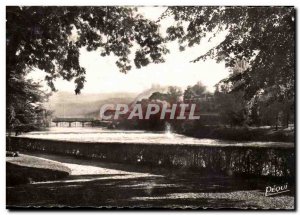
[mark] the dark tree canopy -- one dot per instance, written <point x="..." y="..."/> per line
<point x="50" y="39"/>
<point x="172" y="95"/>
<point x="25" y="104"/>
<point x="262" y="36"/>
<point x="196" y="91"/>
<point x="39" y="37"/>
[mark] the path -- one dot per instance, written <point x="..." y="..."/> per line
<point x="94" y="183"/>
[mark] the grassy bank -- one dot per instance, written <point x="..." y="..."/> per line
<point x="27" y="169"/>
<point x="104" y="184"/>
<point x="241" y="133"/>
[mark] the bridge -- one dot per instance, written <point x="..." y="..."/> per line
<point x="71" y="120"/>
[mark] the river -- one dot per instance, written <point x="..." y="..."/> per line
<point x="103" y="135"/>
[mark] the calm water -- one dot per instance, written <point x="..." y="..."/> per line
<point x="102" y="135"/>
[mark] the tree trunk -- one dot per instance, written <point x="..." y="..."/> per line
<point x="287" y="118"/>
<point x="276" y="123"/>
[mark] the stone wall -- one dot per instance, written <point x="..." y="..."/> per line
<point x="234" y="160"/>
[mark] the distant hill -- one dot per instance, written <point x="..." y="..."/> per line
<point x="66" y="104"/>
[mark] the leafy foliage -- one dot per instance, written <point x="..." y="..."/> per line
<point x="25" y="104"/>
<point x="171" y="96"/>
<point x="50" y="38"/>
<point x="231" y="107"/>
<point x="262" y="36"/>
<point x="174" y="93"/>
<point x="196" y="91"/>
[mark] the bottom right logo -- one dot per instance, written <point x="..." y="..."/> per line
<point x="276" y="189"/>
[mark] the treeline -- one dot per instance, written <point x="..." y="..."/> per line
<point x="224" y="114"/>
<point x="222" y="108"/>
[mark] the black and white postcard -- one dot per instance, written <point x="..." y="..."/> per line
<point x="150" y="107"/>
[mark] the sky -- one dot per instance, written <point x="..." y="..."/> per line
<point x="103" y="76"/>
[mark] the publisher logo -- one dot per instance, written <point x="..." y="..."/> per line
<point x="276" y="189"/>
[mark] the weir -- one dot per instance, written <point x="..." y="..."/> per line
<point x="230" y="160"/>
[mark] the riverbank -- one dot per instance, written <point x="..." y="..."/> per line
<point x="26" y="169"/>
<point x="241" y="133"/>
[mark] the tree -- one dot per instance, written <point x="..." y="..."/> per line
<point x="231" y="107"/>
<point x="50" y="39"/>
<point x="198" y="94"/>
<point x="158" y="96"/>
<point x="172" y="96"/>
<point x="174" y="93"/>
<point x="188" y="94"/>
<point x="25" y="108"/>
<point x="194" y="92"/>
<point x="262" y="36"/>
<point x="275" y="112"/>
